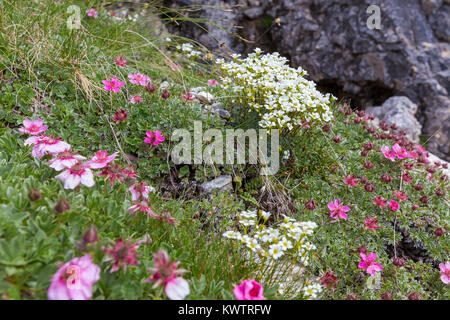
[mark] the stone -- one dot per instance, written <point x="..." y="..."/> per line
<point x="204" y="97"/>
<point x="221" y="183"/>
<point x="401" y="111"/>
<point x="254" y="13"/>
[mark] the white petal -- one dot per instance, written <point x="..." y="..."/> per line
<point x="177" y="289"/>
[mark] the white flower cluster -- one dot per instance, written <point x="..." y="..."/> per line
<point x="288" y="238"/>
<point x="312" y="290"/>
<point x="188" y="49"/>
<point x="280" y="94"/>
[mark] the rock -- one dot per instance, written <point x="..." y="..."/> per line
<point x="254" y="13"/>
<point x="204" y="97"/>
<point x="220" y="183"/>
<point x="401" y="111"/>
<point x="218" y="109"/>
<point x="409" y="56"/>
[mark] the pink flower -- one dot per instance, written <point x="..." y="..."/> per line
<point x="406" y="178"/>
<point x="33" y="127"/>
<point x="120" y="115"/>
<point x="142" y="206"/>
<point x="338" y="210"/>
<point x="400" y="195"/>
<point x="101" y="159"/>
<point x="388" y="154"/>
<point x="77" y="174"/>
<point x="445" y="272"/>
<point x="113" y="85"/>
<point x="123" y="254"/>
<point x="65" y="159"/>
<point x="165" y="273"/>
<point x="188" y="97"/>
<point x="139" y="189"/>
<point x="154" y="138"/>
<point x="400" y="153"/>
<point x="367" y="263"/>
<point x="135" y="99"/>
<point x="120" y="61"/>
<point x="212" y="82"/>
<point x="371" y="224"/>
<point x="379" y="201"/>
<point x="74" y="280"/>
<point x="351" y="180"/>
<point x="394" y="205"/>
<point x="114" y="172"/>
<point x="46" y="145"/>
<point x="138" y="78"/>
<point x="249" y="290"/>
<point x="92" y="13"/>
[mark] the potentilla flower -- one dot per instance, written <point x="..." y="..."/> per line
<point x="120" y="115"/>
<point x="65" y="159"/>
<point x="388" y="153"/>
<point x="351" y="180"/>
<point x="400" y="153"/>
<point x="135" y="99"/>
<point x="329" y="280"/>
<point x="338" y="210"/>
<point x="188" y="97"/>
<point x="400" y="195"/>
<point x="120" y="61"/>
<point x="101" y="159"/>
<point x="92" y="13"/>
<point x="113" y="85"/>
<point x="140" y="189"/>
<point x="43" y="145"/>
<point x="379" y="201"/>
<point x="33" y="127"/>
<point x="138" y="78"/>
<point x="445" y="272"/>
<point x="129" y="172"/>
<point x="393" y="205"/>
<point x="371" y="223"/>
<point x="154" y="138"/>
<point x="249" y="290"/>
<point x="113" y="172"/>
<point x="166" y="274"/>
<point x="123" y="254"/>
<point x="212" y="82"/>
<point x="77" y="174"/>
<point x="74" y="280"/>
<point x="142" y="206"/>
<point x="367" y="263"/>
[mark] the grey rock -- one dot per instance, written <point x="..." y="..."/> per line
<point x="254" y="13"/>
<point x="401" y="111"/>
<point x="217" y="108"/>
<point x="221" y="183"/>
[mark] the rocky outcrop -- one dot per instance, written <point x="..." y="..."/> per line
<point x="409" y="56"/>
<point x="401" y="111"/>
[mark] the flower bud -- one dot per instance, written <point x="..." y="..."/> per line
<point x="62" y="205"/>
<point x="418" y="187"/>
<point x="439" y="232"/>
<point x="413" y="296"/>
<point x="386" y="177"/>
<point x="91" y="234"/>
<point x="424" y="199"/>
<point x="34" y="195"/>
<point x="337" y="139"/>
<point x="369" y="187"/>
<point x="386" y="296"/>
<point x="310" y="205"/>
<point x="165" y="94"/>
<point x="368" y="165"/>
<point x="398" y="262"/>
<point x="150" y="88"/>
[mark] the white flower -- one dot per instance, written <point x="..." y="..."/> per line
<point x="275" y="251"/>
